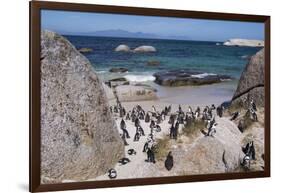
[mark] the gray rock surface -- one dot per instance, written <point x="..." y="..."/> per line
<point x="244" y="42"/>
<point x="122" y="48"/>
<point x="128" y="93"/>
<point x="186" y="77"/>
<point x="108" y="92"/>
<point x="117" y="82"/>
<point x="79" y="138"/>
<point x="145" y="49"/>
<point x="219" y="154"/>
<point x="251" y="83"/>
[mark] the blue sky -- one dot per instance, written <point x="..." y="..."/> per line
<point x="68" y="22"/>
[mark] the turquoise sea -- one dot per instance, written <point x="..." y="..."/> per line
<point x="207" y="57"/>
<point x="202" y="56"/>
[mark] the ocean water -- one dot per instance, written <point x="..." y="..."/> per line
<point x="206" y="57"/>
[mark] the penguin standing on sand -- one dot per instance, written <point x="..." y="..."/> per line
<point x="169" y="162"/>
<point x="253" y="114"/>
<point x="197" y="112"/>
<point x="153" y="109"/>
<point x="249" y="150"/>
<point x="241" y="126"/>
<point x="172" y="130"/>
<point x="128" y="116"/>
<point x="234" y="116"/>
<point x="253" y="105"/>
<point x="124" y="161"/>
<point x="150" y="152"/>
<point x="137" y="136"/>
<point x="246" y="162"/>
<point x="152" y="124"/>
<point x="124" y="140"/>
<point x="123" y="128"/>
<point x="212" y="130"/>
<point x="158" y="128"/>
<point x="189" y="110"/>
<point x="219" y="111"/>
<point x="112" y="173"/>
<point x="132" y="152"/>
<point x="147" y="118"/>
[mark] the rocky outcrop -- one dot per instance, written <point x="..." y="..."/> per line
<point x="145" y="49"/>
<point x="79" y="137"/>
<point x="128" y="93"/>
<point x="187" y="77"/>
<point x="122" y="48"/>
<point x="244" y="42"/>
<point x="118" y="70"/>
<point x="117" y="82"/>
<point x="207" y="155"/>
<point x="251" y="83"/>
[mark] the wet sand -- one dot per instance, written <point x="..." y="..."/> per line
<point x="196" y="95"/>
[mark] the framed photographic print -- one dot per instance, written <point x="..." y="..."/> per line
<point x="123" y="96"/>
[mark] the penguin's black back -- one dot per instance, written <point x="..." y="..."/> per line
<point x="169" y="162"/>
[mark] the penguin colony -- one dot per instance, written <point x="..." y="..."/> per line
<point x="157" y="116"/>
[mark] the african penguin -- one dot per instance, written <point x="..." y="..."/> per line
<point x="132" y="152"/>
<point x="169" y="162"/>
<point x="112" y="173"/>
<point x="124" y="161"/>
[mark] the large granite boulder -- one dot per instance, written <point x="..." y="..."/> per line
<point x="185" y="77"/>
<point x="207" y="155"/>
<point x="79" y="138"/>
<point x="251" y="83"/>
<point x="145" y="49"/>
<point x="122" y="48"/>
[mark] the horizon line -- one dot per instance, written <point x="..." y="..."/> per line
<point x="158" y="38"/>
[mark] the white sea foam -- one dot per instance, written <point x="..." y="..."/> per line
<point x="225" y="79"/>
<point x="203" y="75"/>
<point x="139" y="78"/>
<point x="101" y="72"/>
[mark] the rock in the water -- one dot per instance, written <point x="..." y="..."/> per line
<point x="153" y="63"/>
<point x="79" y="137"/>
<point x="244" y="42"/>
<point x="85" y="50"/>
<point x="120" y="79"/>
<point x="145" y="49"/>
<point x="251" y="83"/>
<point x="118" y="70"/>
<point x="122" y="48"/>
<point x="117" y="82"/>
<point x="135" y="93"/>
<point x="187" y="77"/>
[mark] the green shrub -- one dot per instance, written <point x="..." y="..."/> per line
<point x="162" y="148"/>
<point x="194" y="128"/>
